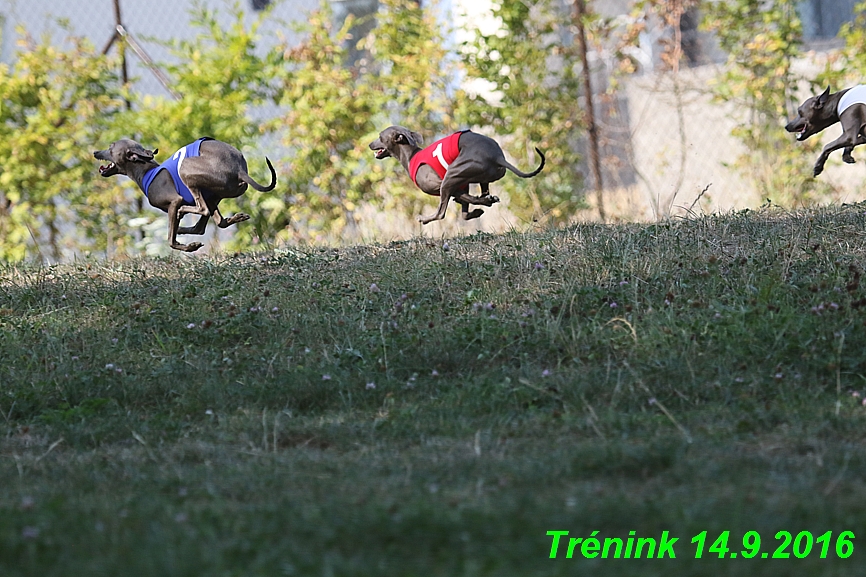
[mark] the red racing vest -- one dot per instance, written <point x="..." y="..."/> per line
<point x="437" y="156"/>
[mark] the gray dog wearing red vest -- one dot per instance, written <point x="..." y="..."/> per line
<point x="447" y="167"/>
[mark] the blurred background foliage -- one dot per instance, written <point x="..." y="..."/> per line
<point x="763" y="41"/>
<point x="54" y="104"/>
<point x="531" y="66"/>
<point x="315" y="106"/>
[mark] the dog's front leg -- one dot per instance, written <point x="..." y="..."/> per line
<point x="444" y="197"/>
<point x="199" y="227"/>
<point x="845" y="141"/>
<point x="466" y="215"/>
<point x="174" y="217"/>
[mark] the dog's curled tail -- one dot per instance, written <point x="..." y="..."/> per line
<point x="522" y="174"/>
<point x="249" y="180"/>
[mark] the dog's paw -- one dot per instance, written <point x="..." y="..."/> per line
<point x="239" y="217"/>
<point x="817" y="170"/>
<point x="193" y="246"/>
<point x="848" y="159"/>
<point x="494" y="199"/>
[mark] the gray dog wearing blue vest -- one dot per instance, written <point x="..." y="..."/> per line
<point x="847" y="106"/>
<point x="193" y="181"/>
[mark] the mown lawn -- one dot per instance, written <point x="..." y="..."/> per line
<point x="436" y="407"/>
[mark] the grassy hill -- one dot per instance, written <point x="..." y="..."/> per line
<point x="436" y="407"/>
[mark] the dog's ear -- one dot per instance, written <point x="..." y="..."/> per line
<point x="822" y="99"/>
<point x="140" y="155"/>
<point x="408" y="137"/>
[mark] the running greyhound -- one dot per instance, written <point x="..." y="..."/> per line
<point x="819" y="112"/>
<point x="447" y="167"/>
<point x="194" y="180"/>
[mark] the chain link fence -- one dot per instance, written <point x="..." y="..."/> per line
<point x="150" y="23"/>
<point x="666" y="144"/>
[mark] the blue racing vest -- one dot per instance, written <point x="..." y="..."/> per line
<point x="172" y="165"/>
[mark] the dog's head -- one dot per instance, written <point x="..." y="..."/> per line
<point x="121" y="155"/>
<point x="813" y="116"/>
<point x="393" y="139"/>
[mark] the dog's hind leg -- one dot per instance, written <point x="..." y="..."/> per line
<point x="200" y="207"/>
<point x="201" y="176"/>
<point x="861" y="139"/>
<point x="485" y="193"/>
<point x="223" y="222"/>
<point x="485" y="199"/>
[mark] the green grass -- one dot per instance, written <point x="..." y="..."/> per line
<point x="435" y="407"/>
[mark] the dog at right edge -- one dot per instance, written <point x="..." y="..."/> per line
<point x="819" y="112"/>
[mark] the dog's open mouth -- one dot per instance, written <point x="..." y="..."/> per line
<point x="380" y="152"/>
<point x="108" y="170"/>
<point x="801" y="134"/>
<point x="800" y="128"/>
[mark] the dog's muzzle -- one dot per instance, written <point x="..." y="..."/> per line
<point x="109" y="169"/>
<point x="377" y="147"/>
<point x="798" y="126"/>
